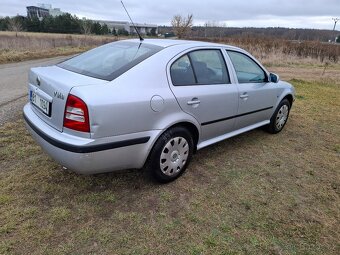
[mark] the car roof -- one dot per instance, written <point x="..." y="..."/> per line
<point x="171" y="42"/>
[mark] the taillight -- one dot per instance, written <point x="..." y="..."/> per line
<point x="76" y="115"/>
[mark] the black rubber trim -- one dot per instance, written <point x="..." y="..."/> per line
<point x="86" y="149"/>
<point x="235" y="116"/>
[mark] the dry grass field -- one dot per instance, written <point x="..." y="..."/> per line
<point x="252" y="194"/>
<point x="16" y="47"/>
<point x="279" y="51"/>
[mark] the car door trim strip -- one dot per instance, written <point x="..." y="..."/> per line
<point x="88" y="148"/>
<point x="235" y="116"/>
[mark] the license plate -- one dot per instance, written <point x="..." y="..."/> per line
<point x="42" y="104"/>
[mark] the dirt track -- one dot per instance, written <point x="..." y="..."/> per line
<point x="13" y="86"/>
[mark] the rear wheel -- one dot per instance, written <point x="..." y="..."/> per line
<point x="171" y="154"/>
<point x="280" y="117"/>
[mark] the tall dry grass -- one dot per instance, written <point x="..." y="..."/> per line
<point x="272" y="50"/>
<point x="20" y="46"/>
<point x="43" y="41"/>
<point x="15" y="47"/>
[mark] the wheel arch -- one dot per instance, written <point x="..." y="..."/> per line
<point x="290" y="98"/>
<point x="191" y="127"/>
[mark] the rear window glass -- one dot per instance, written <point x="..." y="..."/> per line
<point x="111" y="60"/>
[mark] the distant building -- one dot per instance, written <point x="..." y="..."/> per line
<point x="42" y="10"/>
<point x="142" y="28"/>
<point x="52" y="11"/>
<point x="37" y="12"/>
<point x="45" y="6"/>
<point x="55" y="12"/>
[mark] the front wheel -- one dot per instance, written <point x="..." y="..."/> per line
<point x="171" y="154"/>
<point x="280" y="117"/>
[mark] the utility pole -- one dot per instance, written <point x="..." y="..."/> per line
<point x="335" y="21"/>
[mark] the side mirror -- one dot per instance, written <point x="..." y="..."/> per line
<point x="274" y="78"/>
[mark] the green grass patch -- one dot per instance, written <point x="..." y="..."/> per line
<point x="252" y="194"/>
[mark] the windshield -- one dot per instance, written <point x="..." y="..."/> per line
<point x="111" y="60"/>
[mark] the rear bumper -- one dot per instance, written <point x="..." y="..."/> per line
<point x="89" y="156"/>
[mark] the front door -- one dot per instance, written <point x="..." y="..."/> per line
<point x="256" y="95"/>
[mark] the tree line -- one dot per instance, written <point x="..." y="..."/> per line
<point x="65" y="23"/>
<point x="183" y="27"/>
<point x="221" y="31"/>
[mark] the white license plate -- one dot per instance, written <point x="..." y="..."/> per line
<point x="41" y="103"/>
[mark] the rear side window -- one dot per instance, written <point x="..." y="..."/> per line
<point x="247" y="70"/>
<point x="200" y="67"/>
<point x="111" y="60"/>
<point x="182" y="73"/>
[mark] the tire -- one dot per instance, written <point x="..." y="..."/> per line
<point x="171" y="154"/>
<point x="280" y="117"/>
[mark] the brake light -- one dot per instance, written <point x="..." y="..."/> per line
<point x="76" y="115"/>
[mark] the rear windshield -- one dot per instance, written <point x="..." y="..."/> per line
<point x="109" y="61"/>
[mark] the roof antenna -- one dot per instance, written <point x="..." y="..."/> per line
<point x="140" y="37"/>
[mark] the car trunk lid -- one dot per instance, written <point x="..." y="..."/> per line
<point x="48" y="91"/>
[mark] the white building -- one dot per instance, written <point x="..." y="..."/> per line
<point x="52" y="11"/>
<point x="142" y="28"/>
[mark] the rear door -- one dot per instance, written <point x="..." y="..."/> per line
<point x="200" y="81"/>
<point x="256" y="95"/>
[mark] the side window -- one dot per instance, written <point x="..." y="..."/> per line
<point x="209" y="67"/>
<point x="200" y="67"/>
<point x="247" y="70"/>
<point x="181" y="72"/>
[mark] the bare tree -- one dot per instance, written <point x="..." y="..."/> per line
<point x="86" y="26"/>
<point x="182" y="25"/>
<point x="214" y="28"/>
<point x="14" y="24"/>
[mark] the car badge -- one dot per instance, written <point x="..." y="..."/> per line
<point x="58" y="95"/>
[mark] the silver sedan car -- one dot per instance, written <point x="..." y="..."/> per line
<point x="130" y="104"/>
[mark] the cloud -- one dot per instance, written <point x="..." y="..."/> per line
<point x="289" y="13"/>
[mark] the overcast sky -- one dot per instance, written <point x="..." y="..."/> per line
<point x="233" y="13"/>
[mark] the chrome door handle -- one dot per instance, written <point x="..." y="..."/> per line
<point x="245" y="95"/>
<point x="194" y="101"/>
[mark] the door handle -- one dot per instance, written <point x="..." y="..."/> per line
<point x="244" y="96"/>
<point x="194" y="101"/>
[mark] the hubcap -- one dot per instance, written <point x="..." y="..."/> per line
<point x="281" y="117"/>
<point x="174" y="156"/>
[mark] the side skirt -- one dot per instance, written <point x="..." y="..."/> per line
<point x="231" y="134"/>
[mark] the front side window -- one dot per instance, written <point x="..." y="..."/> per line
<point x="247" y="70"/>
<point x="200" y="67"/>
<point x="111" y="60"/>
